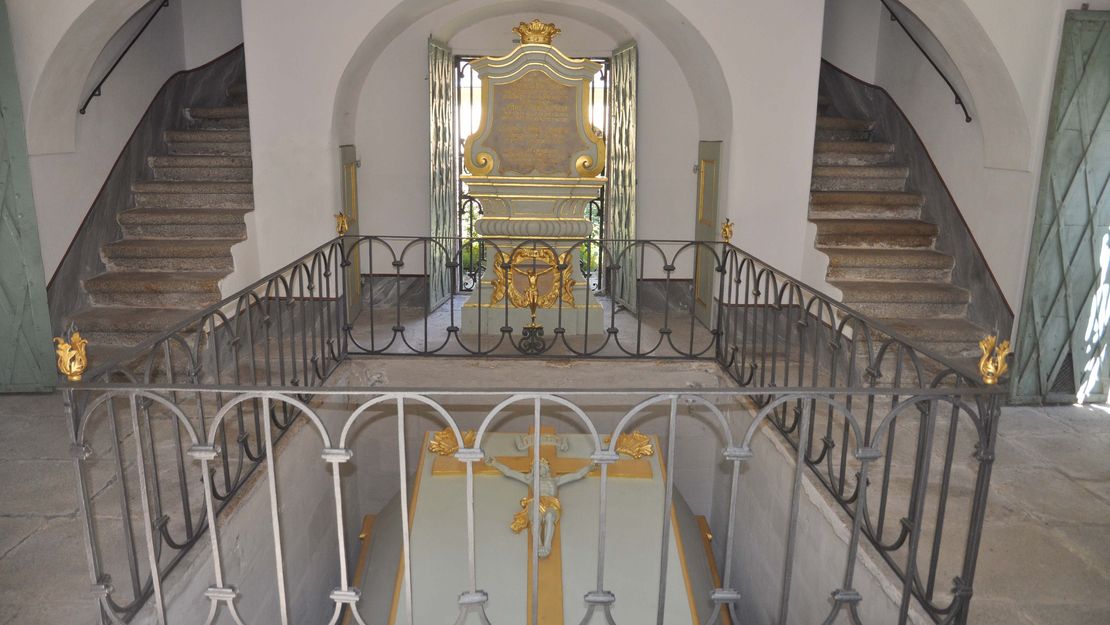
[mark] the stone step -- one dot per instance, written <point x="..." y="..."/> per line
<point x="876" y="226"/>
<point x="847" y="153"/>
<point x="201" y="168"/>
<point x="185" y="289"/>
<point x="199" y="223"/>
<point x="888" y="264"/>
<point x="169" y="255"/>
<point x="865" y="198"/>
<point x="859" y="178"/>
<point x="219" y="117"/>
<point x="874" y="240"/>
<point x="119" y="326"/>
<point x="950" y="332"/>
<point x="926" y="274"/>
<point x="818" y="212"/>
<point x="885" y="299"/>
<point x="843" y="129"/>
<point x="193" y="187"/>
<point x="214" y="142"/>
<point x="202" y="194"/>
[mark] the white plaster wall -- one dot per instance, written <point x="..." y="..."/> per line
<point x="65" y="184"/>
<point x="768" y="52"/>
<point x="850" y="38"/>
<point x="393" y="112"/>
<point x="210" y="28"/>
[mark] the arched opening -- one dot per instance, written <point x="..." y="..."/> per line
<point x="52" y="115"/>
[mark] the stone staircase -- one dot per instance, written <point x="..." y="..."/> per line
<point x="882" y="253"/>
<point x="177" y="239"/>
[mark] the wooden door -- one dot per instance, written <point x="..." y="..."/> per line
<point x="353" y="287"/>
<point x="706" y="228"/>
<point x="26" y="355"/>
<point x="1063" y="343"/>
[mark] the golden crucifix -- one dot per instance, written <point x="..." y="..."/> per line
<point x="555" y="471"/>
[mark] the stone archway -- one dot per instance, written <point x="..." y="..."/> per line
<point x="695" y="57"/>
<point x="52" y="114"/>
<point x="1007" y="142"/>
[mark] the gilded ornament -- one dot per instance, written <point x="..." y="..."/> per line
<point x="342" y="224"/>
<point x="635" y="444"/>
<point x="992" y="364"/>
<point x="72" y="359"/>
<point x="536" y="32"/>
<point x="726" y="230"/>
<point x="444" y="443"/>
<point x="537" y="263"/>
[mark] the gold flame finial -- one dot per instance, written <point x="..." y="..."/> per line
<point x="444" y="442"/>
<point x="342" y="224"/>
<point x="726" y="230"/>
<point x="72" y="359"/>
<point x="992" y="365"/>
<point x="536" y="32"/>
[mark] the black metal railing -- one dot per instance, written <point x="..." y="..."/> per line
<point x="959" y="100"/>
<point x="96" y="90"/>
<point x="842" y="391"/>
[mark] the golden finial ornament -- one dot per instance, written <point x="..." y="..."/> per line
<point x="726" y="230"/>
<point x="443" y="442"/>
<point x="342" y="224"/>
<point x="993" y="365"/>
<point x="636" y="444"/>
<point x="72" y="359"/>
<point x="536" y="32"/>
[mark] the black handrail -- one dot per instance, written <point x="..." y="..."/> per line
<point x="894" y="18"/>
<point x="96" y="89"/>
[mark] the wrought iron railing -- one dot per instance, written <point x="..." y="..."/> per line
<point x="901" y="440"/>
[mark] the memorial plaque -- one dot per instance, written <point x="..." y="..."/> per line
<point x="534" y="163"/>
<point x="534" y="126"/>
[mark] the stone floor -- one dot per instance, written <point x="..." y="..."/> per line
<point x="1045" y="558"/>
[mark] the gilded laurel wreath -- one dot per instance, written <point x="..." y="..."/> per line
<point x="533" y="264"/>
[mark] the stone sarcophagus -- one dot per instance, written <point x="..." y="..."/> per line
<point x="534" y="164"/>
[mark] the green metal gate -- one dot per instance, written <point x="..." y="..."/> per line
<point x="1064" y="340"/>
<point x="26" y="358"/>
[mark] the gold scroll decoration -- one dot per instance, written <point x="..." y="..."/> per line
<point x="538" y="271"/>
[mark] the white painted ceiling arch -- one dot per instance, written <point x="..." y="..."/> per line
<point x="694" y="55"/>
<point x="52" y="114"/>
<point x="605" y="23"/>
<point x="995" y="98"/>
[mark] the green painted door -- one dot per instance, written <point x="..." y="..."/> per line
<point x="1062" y="347"/>
<point x="442" y="251"/>
<point x="26" y="356"/>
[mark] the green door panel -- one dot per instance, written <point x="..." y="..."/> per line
<point x="26" y="356"/>
<point x="1063" y="340"/>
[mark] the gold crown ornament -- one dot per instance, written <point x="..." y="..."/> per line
<point x="536" y="32"/>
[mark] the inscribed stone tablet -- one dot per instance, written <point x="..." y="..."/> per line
<point x="534" y="126"/>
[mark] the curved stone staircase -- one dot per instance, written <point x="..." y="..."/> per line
<point x="177" y="239"/>
<point x="882" y="254"/>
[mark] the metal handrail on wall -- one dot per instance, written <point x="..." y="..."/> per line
<point x="959" y="101"/>
<point x="843" y="391"/>
<point x="96" y="90"/>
